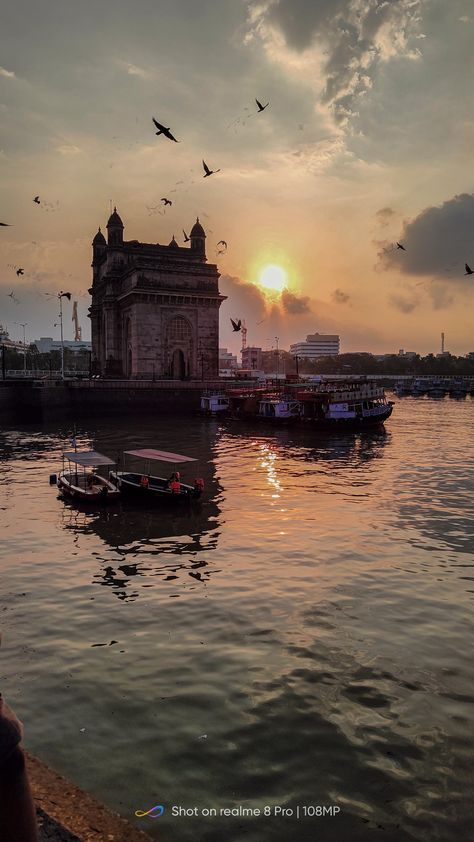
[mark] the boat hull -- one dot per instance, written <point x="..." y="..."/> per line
<point x="75" y="486"/>
<point x="158" y="488"/>
<point x="340" y="425"/>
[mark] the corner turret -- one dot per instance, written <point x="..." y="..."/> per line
<point x="115" y="230"/>
<point x="198" y="240"/>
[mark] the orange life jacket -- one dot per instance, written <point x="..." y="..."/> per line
<point x="175" y="487"/>
<point x="144" y="482"/>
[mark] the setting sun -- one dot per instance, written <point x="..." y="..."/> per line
<point x="273" y="277"/>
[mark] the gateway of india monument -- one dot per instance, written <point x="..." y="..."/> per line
<point x="155" y="309"/>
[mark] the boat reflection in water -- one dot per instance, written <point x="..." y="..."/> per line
<point x="153" y="544"/>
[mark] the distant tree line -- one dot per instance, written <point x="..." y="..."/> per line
<point x="367" y="364"/>
<point x="51" y="361"/>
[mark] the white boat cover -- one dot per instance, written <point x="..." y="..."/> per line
<point x="159" y="455"/>
<point x="88" y="458"/>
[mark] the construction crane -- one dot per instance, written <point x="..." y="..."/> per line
<point x="75" y="319"/>
<point x="244" y="336"/>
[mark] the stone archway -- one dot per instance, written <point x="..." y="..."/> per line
<point x="178" y="365"/>
<point x="179" y="347"/>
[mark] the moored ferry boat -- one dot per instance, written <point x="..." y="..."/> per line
<point x="214" y="403"/>
<point x="345" y="406"/>
<point x="278" y="409"/>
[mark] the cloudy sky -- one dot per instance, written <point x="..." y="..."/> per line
<point x="368" y="140"/>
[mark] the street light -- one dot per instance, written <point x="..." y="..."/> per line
<point x="23" y="325"/>
<point x="62" y="295"/>
<point x="278" y="357"/>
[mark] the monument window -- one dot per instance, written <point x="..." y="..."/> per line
<point x="179" y="329"/>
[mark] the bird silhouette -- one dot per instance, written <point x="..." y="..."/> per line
<point x="167" y="201"/>
<point x="260" y="106"/>
<point x="399" y="246"/>
<point x="13" y="297"/>
<point x="20" y="272"/>
<point x="37" y="200"/>
<point x="5" y="224"/>
<point x="261" y="323"/>
<point x="164" y="130"/>
<point x="236" y="325"/>
<point x="222" y="243"/>
<point x="207" y="171"/>
<point x="468" y="271"/>
<point x="186" y="238"/>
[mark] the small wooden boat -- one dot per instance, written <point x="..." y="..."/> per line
<point x="148" y="486"/>
<point x="85" y="485"/>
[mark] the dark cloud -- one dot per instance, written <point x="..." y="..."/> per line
<point x="340" y="297"/>
<point x="295" y="304"/>
<point x="405" y="303"/>
<point x="244" y="300"/>
<point x="355" y="35"/>
<point x="438" y="241"/>
<point x="384" y="216"/>
<point x="441" y="297"/>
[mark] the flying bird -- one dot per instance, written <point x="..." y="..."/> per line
<point x="207" y="171"/>
<point x="20" y="272"/>
<point x="186" y="238"/>
<point x="468" y="271"/>
<point x="260" y="106"/>
<point x="13" y="297"/>
<point x="399" y="246"/>
<point x="164" y="130"/>
<point x="37" y="200"/>
<point x="236" y="325"/>
<point x="5" y="224"/>
<point x="167" y="201"/>
<point x="222" y="243"/>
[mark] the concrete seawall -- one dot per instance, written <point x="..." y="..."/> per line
<point x="68" y="814"/>
<point x="76" y="398"/>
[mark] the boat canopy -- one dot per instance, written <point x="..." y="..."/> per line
<point x="159" y="455"/>
<point x="88" y="458"/>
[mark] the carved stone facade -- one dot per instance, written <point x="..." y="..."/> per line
<point x="155" y="309"/>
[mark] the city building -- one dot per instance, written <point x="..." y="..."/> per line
<point x="155" y="308"/>
<point x="9" y="344"/>
<point x="227" y="360"/>
<point x="47" y="344"/>
<point x="251" y="358"/>
<point x="317" y="345"/>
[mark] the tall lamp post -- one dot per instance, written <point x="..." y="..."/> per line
<point x="23" y="325"/>
<point x="278" y="356"/>
<point x="62" y="295"/>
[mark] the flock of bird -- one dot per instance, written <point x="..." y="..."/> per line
<point x="166" y="132"/>
<point x="166" y="202"/>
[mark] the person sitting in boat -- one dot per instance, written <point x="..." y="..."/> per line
<point x="145" y="481"/>
<point x="91" y="480"/>
<point x="175" y="482"/>
<point x="198" y="487"/>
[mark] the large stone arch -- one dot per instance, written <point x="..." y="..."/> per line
<point x="179" y="347"/>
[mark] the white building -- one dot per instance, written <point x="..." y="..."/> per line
<point x="317" y="345"/>
<point x="227" y="359"/>
<point x="47" y="344"/>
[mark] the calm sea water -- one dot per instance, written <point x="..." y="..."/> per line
<point x="302" y="638"/>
